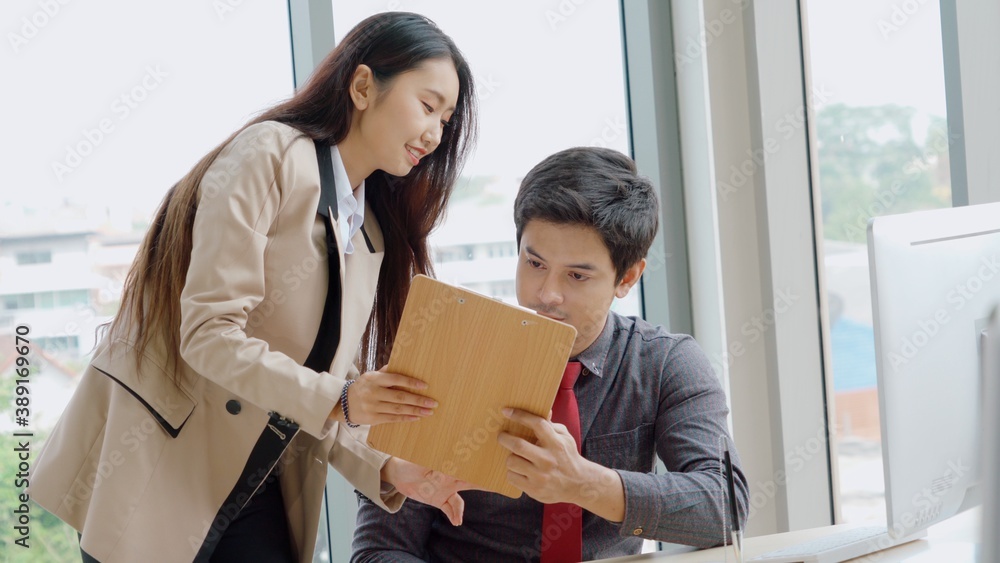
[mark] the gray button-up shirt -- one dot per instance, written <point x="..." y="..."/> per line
<point x="643" y="393"/>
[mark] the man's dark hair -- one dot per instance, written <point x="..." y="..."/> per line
<point x="594" y="187"/>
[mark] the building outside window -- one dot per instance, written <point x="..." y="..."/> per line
<point x="34" y="257"/>
<point x="169" y="82"/>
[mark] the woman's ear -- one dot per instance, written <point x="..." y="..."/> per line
<point x="362" y="87"/>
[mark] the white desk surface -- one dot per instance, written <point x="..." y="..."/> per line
<point x="952" y="541"/>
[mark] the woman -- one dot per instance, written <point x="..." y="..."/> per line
<point x="203" y="426"/>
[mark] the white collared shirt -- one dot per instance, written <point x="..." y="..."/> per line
<point x="350" y="203"/>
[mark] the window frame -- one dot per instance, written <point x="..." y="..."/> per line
<point x="731" y="91"/>
<point x="732" y="87"/>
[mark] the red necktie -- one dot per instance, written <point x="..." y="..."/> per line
<point x="562" y="523"/>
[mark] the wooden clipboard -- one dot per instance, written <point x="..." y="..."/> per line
<point x="478" y="355"/>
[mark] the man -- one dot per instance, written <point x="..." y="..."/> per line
<point x="584" y="222"/>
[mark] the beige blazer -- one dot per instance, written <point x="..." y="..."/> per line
<point x="142" y="466"/>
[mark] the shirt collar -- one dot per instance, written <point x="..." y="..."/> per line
<point x="350" y="203"/>
<point x="343" y="183"/>
<point x="593" y="356"/>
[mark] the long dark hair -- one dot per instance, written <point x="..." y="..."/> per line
<point x="407" y="208"/>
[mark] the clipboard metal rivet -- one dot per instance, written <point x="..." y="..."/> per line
<point x="524" y="323"/>
<point x="461" y="300"/>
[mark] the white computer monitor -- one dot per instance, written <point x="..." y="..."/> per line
<point x="935" y="280"/>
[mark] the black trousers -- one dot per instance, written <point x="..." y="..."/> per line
<point x="258" y="533"/>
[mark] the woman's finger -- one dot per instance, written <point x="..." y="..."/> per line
<point x="403" y="409"/>
<point x="389" y="379"/>
<point x="400" y="397"/>
<point x="385" y="418"/>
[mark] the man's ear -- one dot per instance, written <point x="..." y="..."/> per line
<point x="630" y="278"/>
<point x="362" y="88"/>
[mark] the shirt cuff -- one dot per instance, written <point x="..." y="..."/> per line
<point x="641" y="505"/>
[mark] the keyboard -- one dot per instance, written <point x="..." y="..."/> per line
<point x="837" y="547"/>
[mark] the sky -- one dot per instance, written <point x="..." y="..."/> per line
<point x="872" y="52"/>
<point x="547" y="81"/>
<point x="192" y="71"/>
<point x="189" y="76"/>
<point x="107" y="104"/>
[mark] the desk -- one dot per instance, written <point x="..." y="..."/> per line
<point x="953" y="540"/>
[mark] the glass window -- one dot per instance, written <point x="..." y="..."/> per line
<point x="58" y="344"/>
<point x="882" y="143"/>
<point x="10" y="302"/>
<point x="35" y="257"/>
<point x="129" y="97"/>
<point x="19" y="301"/>
<point x="576" y="59"/>
<point x="547" y="81"/>
<point x="46" y="299"/>
<point x="73" y="297"/>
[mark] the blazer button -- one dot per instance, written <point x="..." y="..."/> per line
<point x="637" y="531"/>
<point x="233" y="406"/>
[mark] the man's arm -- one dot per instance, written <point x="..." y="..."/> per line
<point x="381" y="537"/>
<point x="551" y="470"/>
<point x="688" y="504"/>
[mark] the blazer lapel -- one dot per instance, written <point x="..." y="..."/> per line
<point x="361" y="270"/>
<point x="327" y="207"/>
<point x="329" y="337"/>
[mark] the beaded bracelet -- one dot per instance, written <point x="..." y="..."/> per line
<point x="343" y="404"/>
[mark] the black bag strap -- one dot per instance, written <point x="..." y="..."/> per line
<point x="328" y="336"/>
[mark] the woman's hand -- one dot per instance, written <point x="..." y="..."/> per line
<point x="377" y="397"/>
<point x="428" y="486"/>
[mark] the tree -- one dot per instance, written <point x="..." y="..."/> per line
<point x="871" y="164"/>
<point x="50" y="539"/>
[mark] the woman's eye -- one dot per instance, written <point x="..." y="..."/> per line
<point x="428" y="107"/>
<point x="445" y="123"/>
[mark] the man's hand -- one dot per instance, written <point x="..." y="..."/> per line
<point x="428" y="486"/>
<point x="552" y="470"/>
